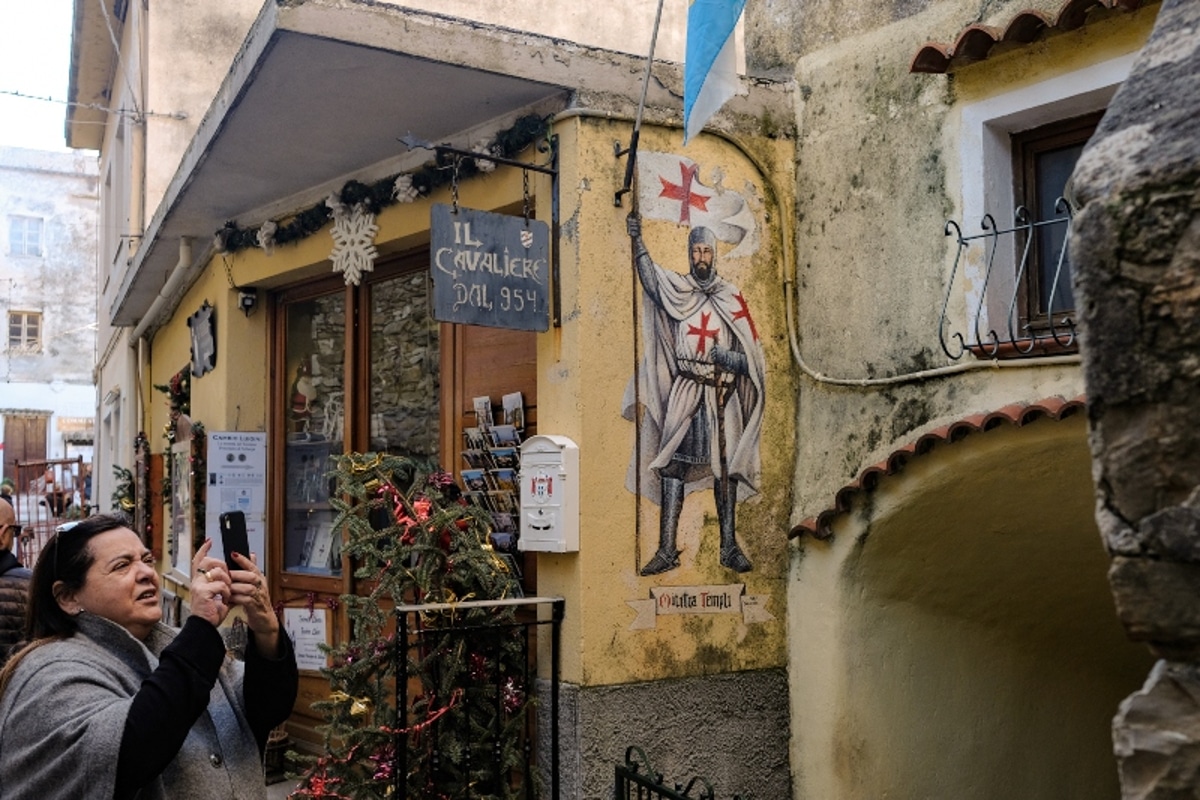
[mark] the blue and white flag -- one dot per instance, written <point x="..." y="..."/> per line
<point x="710" y="65"/>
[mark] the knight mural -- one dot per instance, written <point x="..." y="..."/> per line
<point x="701" y="386"/>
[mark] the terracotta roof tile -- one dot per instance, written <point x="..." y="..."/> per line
<point x="977" y="42"/>
<point x="1015" y="414"/>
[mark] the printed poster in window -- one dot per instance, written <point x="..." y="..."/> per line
<point x="237" y="481"/>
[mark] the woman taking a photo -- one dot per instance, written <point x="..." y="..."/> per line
<point x="107" y="702"/>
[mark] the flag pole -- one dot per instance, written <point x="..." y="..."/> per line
<point x="631" y="164"/>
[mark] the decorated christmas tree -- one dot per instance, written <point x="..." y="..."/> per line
<point x="458" y="725"/>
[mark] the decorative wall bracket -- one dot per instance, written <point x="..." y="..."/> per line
<point x="449" y="158"/>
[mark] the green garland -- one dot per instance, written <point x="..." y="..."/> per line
<point x="179" y="396"/>
<point x="379" y="195"/>
<point x="122" y="496"/>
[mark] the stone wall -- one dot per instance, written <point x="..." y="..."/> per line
<point x="1136" y="245"/>
<point x="730" y="729"/>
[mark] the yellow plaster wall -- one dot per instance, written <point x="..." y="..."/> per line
<point x="232" y="396"/>
<point x="583" y="372"/>
<point x="583" y="369"/>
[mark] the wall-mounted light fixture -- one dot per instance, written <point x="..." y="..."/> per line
<point x="247" y="299"/>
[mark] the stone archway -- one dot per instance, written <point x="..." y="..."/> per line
<point x="977" y="651"/>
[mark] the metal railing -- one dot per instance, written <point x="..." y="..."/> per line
<point x="631" y="783"/>
<point x="478" y="739"/>
<point x="991" y="271"/>
<point x="49" y="492"/>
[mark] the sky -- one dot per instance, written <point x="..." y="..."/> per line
<point x="35" y="57"/>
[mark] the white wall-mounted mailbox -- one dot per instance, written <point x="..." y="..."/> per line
<point x="549" y="495"/>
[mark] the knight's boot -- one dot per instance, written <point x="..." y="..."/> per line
<point x="731" y="554"/>
<point x="667" y="557"/>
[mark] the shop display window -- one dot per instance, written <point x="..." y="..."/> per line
<point x="374" y="387"/>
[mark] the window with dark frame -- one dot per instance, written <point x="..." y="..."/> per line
<point x="360" y="371"/>
<point x="24" y="236"/>
<point x="24" y="332"/>
<point x="1043" y="160"/>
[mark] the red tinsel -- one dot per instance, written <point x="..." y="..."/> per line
<point x="385" y="762"/>
<point x="319" y="785"/>
<point x="512" y="696"/>
<point x="455" y="696"/>
<point x="478" y="666"/>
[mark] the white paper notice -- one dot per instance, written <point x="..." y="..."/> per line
<point x="237" y="481"/>
<point x="307" y="630"/>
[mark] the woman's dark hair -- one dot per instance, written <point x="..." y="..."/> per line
<point x="65" y="557"/>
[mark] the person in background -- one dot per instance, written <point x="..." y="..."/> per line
<point x="6" y="490"/>
<point x="87" y="488"/>
<point x="57" y="498"/>
<point x="105" y="701"/>
<point x="14" y="584"/>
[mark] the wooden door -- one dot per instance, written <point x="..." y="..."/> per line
<point x="362" y="369"/>
<point x="24" y="440"/>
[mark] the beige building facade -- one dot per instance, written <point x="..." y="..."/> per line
<point x="47" y="396"/>
<point x="951" y="630"/>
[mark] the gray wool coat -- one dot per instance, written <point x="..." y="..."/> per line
<point x="63" y="715"/>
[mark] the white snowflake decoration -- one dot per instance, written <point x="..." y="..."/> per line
<point x="266" y="237"/>
<point x="403" y="189"/>
<point x="353" y="244"/>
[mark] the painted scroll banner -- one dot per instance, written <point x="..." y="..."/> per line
<point x="723" y="599"/>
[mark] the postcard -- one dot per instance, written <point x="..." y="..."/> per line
<point x="504" y="458"/>
<point x="514" y="410"/>
<point x="505" y="479"/>
<point x="505" y="436"/>
<point x="504" y="542"/>
<point x="483" y="412"/>
<point x="502" y="501"/>
<point x="474" y="480"/>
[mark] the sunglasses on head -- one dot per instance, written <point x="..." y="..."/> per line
<point x="58" y="534"/>
<point x="16" y="529"/>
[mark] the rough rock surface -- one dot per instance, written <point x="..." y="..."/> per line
<point x="1136" y="253"/>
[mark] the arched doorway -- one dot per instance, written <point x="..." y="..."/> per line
<point x="976" y="652"/>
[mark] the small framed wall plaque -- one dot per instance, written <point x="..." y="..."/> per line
<point x="204" y="340"/>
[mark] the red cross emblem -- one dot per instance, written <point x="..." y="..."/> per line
<point x="743" y="312"/>
<point x="704" y="332"/>
<point x="682" y="192"/>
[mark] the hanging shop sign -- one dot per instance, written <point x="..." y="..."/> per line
<point x="490" y="269"/>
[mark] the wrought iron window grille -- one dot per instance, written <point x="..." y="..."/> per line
<point x="994" y="294"/>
